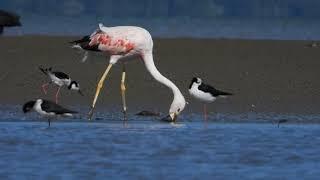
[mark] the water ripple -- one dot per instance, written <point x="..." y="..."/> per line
<point x="149" y="149"/>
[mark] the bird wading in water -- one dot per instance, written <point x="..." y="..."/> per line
<point x="124" y="41"/>
<point x="205" y="93"/>
<point x="47" y="109"/>
<point x="60" y="79"/>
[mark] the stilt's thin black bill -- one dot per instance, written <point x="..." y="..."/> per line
<point x="80" y="93"/>
<point x="167" y="119"/>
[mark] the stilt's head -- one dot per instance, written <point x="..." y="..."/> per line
<point x="197" y="81"/>
<point x="75" y="86"/>
<point x="28" y="106"/>
<point x="46" y="70"/>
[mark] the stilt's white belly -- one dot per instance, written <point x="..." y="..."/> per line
<point x="37" y="107"/>
<point x="200" y="95"/>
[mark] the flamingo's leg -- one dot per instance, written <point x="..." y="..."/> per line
<point x="123" y="93"/>
<point x="100" y="84"/>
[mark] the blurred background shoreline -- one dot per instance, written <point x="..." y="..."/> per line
<point x="250" y="19"/>
<point x="298" y="29"/>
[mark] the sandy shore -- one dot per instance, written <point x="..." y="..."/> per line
<point x="264" y="75"/>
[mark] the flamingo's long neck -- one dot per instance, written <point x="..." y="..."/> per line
<point x="149" y="63"/>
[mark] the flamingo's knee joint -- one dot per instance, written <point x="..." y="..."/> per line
<point x="123" y="87"/>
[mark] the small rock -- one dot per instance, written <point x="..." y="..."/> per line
<point x="148" y="113"/>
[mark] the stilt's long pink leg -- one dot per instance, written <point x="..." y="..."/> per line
<point x="205" y="112"/>
<point x="57" y="94"/>
<point x="43" y="87"/>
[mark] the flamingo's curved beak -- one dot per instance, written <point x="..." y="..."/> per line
<point x="172" y="117"/>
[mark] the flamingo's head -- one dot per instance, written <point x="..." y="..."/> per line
<point x="176" y="108"/>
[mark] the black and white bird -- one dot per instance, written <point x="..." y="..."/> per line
<point x="60" y="79"/>
<point x="205" y="93"/>
<point x="47" y="109"/>
<point x="8" y="19"/>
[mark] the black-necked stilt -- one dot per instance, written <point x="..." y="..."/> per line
<point x="60" y="79"/>
<point x="205" y="93"/>
<point x="313" y="45"/>
<point x="47" y="108"/>
<point x="8" y="19"/>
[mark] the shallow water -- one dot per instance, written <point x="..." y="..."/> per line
<point x="145" y="148"/>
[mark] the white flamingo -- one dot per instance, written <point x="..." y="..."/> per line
<point x="124" y="41"/>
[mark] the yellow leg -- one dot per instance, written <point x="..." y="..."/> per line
<point x="123" y="93"/>
<point x="100" y="84"/>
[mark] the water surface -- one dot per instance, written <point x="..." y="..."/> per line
<point x="146" y="148"/>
